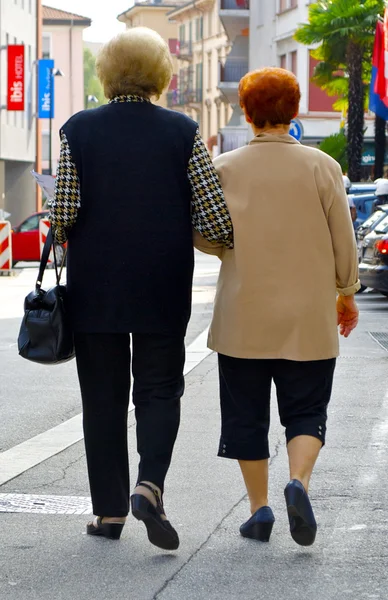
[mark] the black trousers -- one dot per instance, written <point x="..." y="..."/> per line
<point x="103" y="363"/>
<point x="303" y="393"/>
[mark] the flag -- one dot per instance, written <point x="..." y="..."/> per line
<point x="378" y="95"/>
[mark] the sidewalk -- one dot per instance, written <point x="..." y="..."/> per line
<point x="48" y="557"/>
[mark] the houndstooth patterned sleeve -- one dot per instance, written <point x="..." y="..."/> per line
<point x="210" y="215"/>
<point x="67" y="198"/>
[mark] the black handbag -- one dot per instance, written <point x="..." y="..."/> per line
<point x="45" y="335"/>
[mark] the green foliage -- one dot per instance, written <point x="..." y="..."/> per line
<point x="344" y="31"/>
<point x="333" y="24"/>
<point x="336" y="146"/>
<point x="92" y="85"/>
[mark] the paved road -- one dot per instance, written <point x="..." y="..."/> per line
<point x="47" y="556"/>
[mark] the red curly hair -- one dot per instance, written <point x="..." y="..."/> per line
<point x="270" y="95"/>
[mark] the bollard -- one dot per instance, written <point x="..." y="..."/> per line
<point x="5" y="248"/>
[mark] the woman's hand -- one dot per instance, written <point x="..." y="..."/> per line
<point x="347" y="312"/>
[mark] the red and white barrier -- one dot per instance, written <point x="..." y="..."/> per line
<point x="5" y="246"/>
<point x="44" y="228"/>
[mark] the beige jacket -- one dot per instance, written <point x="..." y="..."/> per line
<point x="294" y="248"/>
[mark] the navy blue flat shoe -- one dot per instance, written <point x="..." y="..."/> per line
<point x="259" y="526"/>
<point x="303" y="527"/>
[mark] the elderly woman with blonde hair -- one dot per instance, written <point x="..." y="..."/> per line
<point x="133" y="180"/>
<point x="288" y="282"/>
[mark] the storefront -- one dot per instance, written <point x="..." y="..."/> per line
<point x="368" y="161"/>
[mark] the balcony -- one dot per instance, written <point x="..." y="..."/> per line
<point x="230" y="75"/>
<point x="234" y="15"/>
<point x="184" y="50"/>
<point x="179" y="98"/>
<point x="234" y="5"/>
<point x="232" y="138"/>
<point x="233" y="71"/>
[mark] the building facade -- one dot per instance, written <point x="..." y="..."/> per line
<point x="235" y="18"/>
<point x="153" y="14"/>
<point x="201" y="51"/>
<point x="62" y="41"/>
<point x="270" y="26"/>
<point x="17" y="127"/>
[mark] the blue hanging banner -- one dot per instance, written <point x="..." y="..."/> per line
<point x="45" y="89"/>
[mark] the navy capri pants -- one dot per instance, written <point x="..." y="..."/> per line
<point x="303" y="394"/>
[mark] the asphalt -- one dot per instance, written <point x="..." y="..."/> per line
<point x="48" y="557"/>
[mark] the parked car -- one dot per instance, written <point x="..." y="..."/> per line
<point x="364" y="204"/>
<point x="369" y="225"/>
<point x="25" y="240"/>
<point x="374" y="258"/>
<point x="362" y="188"/>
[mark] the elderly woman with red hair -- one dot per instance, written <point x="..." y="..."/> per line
<point x="282" y="292"/>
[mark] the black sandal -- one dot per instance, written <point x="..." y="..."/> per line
<point x="111" y="531"/>
<point x="160" y="532"/>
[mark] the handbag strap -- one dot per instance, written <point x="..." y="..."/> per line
<point x="49" y="243"/>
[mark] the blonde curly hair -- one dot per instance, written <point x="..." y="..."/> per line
<point x="137" y="61"/>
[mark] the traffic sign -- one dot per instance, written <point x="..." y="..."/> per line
<point x="296" y="129"/>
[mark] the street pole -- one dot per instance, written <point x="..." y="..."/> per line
<point x="51" y="123"/>
<point x="38" y="154"/>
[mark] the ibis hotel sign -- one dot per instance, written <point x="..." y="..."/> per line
<point x="16" y="76"/>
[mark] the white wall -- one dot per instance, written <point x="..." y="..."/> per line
<point x="67" y="51"/>
<point x="17" y="129"/>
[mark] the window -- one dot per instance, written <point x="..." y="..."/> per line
<point x="46" y="45"/>
<point x="199" y="29"/>
<point x="283" y="61"/>
<point x="218" y="117"/>
<point x="182" y="33"/>
<point x="30" y="224"/>
<point x="287" y="5"/>
<point x="294" y="62"/>
<point x="209" y="123"/>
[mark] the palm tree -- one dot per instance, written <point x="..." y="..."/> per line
<point x="344" y="30"/>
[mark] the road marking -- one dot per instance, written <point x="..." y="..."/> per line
<point x="34" y="451"/>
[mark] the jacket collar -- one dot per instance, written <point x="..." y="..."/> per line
<point x="129" y="98"/>
<point x="284" y="138"/>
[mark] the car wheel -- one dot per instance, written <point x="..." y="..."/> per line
<point x="362" y="289"/>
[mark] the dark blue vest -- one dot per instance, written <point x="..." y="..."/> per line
<point x="130" y="258"/>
